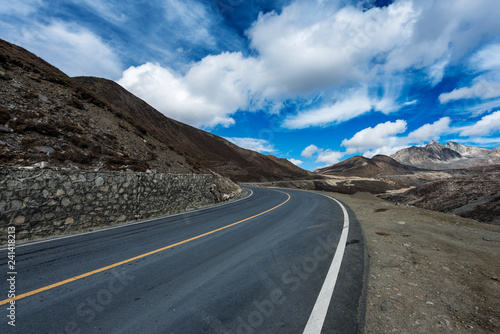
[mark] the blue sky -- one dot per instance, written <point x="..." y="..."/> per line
<point x="313" y="81"/>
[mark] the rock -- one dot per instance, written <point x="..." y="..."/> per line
<point x="19" y="220"/>
<point x="5" y="129"/>
<point x="45" y="149"/>
<point x="4" y="76"/>
<point x="41" y="165"/>
<point x="43" y="98"/>
<point x="99" y="181"/>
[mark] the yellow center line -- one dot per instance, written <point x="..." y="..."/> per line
<point x="72" y="279"/>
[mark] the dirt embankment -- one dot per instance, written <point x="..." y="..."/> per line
<point x="429" y="272"/>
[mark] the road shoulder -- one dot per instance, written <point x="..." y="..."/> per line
<point x="428" y="271"/>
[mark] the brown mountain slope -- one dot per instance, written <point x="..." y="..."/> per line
<point x="92" y="123"/>
<point x="379" y="165"/>
<point x="200" y="148"/>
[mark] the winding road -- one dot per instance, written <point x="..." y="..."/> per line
<point x="276" y="261"/>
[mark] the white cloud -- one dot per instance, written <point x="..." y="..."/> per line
<point x="23" y="8"/>
<point x="385" y="150"/>
<point x="312" y="45"/>
<point x="488" y="125"/>
<point x="296" y="162"/>
<point x="191" y="18"/>
<point x="430" y="131"/>
<point x="258" y="145"/>
<point x="320" y="49"/>
<point x="309" y="151"/>
<point x="355" y="105"/>
<point x="487" y="58"/>
<point x="206" y="96"/>
<point x="486" y="85"/>
<point x="109" y="10"/>
<point x="482" y="89"/>
<point x="371" y="138"/>
<point x="72" y="48"/>
<point x="329" y="157"/>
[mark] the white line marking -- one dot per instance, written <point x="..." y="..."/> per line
<point x="318" y="314"/>
<point x="127" y="224"/>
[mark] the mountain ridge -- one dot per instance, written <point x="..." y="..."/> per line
<point x="450" y="156"/>
<point x="379" y="165"/>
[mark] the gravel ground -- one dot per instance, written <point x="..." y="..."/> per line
<point x="429" y="272"/>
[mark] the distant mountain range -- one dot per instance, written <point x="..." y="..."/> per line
<point x="433" y="156"/>
<point x="461" y="179"/>
<point x="93" y="123"/>
<point x="450" y="156"/>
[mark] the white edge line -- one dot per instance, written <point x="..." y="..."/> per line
<point x="127" y="224"/>
<point x="318" y="314"/>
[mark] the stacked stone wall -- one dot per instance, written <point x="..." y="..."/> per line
<point x="42" y="203"/>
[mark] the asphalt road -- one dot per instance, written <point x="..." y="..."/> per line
<point x="192" y="273"/>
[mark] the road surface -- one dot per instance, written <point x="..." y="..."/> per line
<point x="256" y="265"/>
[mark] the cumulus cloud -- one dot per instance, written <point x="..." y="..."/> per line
<point x="329" y="157"/>
<point x="321" y="155"/>
<point x="430" y="131"/>
<point x="258" y="145"/>
<point x="205" y="96"/>
<point x="488" y="125"/>
<point x="314" y="45"/>
<point x="381" y="135"/>
<point x="296" y="162"/>
<point x="323" y="49"/>
<point x="74" y="49"/>
<point x="309" y="151"/>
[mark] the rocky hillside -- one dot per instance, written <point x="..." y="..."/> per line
<point x="50" y="119"/>
<point x="449" y="156"/>
<point x="474" y="193"/>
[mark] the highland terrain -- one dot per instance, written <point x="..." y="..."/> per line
<point x="428" y="271"/>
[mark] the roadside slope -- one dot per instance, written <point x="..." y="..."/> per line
<point x="428" y="271"/>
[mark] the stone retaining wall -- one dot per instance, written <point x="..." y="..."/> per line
<point x="42" y="203"/>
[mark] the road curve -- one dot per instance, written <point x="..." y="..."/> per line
<point x="256" y="265"/>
